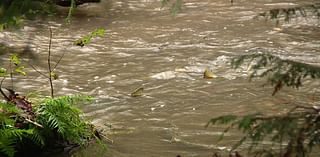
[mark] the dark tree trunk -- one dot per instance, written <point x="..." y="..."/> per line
<point x="67" y="3"/>
<point x="64" y="3"/>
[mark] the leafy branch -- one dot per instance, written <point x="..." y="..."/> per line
<point x="99" y="32"/>
<point x="280" y="71"/>
<point x="298" y="130"/>
<point x="292" y="12"/>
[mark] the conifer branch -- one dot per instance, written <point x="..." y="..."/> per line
<point x="281" y="72"/>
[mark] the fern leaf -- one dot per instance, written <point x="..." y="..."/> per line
<point x="60" y="114"/>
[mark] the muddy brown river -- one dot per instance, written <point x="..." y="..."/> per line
<point x="145" y="46"/>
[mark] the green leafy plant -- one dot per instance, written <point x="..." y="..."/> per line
<point x="55" y="121"/>
<point x="9" y="134"/>
<point x="3" y="72"/>
<point x="60" y="115"/>
<point x="9" y="137"/>
<point x="51" y="122"/>
<point x="15" y="60"/>
<point x="99" y="32"/>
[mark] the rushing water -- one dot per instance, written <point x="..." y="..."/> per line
<point x="145" y="46"/>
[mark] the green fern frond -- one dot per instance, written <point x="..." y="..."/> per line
<point x="60" y="114"/>
<point x="5" y="120"/>
<point x="68" y="99"/>
<point x="7" y="147"/>
<point x="15" y="133"/>
<point x="10" y="108"/>
<point x="6" y="142"/>
<point x="37" y="138"/>
<point x="9" y="136"/>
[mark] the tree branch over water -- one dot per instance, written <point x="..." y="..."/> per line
<point x="280" y="71"/>
<point x="298" y="130"/>
<point x="49" y="63"/>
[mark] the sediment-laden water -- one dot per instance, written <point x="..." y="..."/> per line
<point x="145" y="46"/>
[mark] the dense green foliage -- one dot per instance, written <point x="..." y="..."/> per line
<point x="55" y="121"/>
<point x="296" y="132"/>
<point x="9" y="135"/>
<point x="61" y="115"/>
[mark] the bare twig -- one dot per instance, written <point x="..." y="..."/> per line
<point x="49" y="63"/>
<point x="34" y="123"/>
<point x="108" y="139"/>
<point x="35" y="69"/>
<point x="11" y="73"/>
<point x="58" y="61"/>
